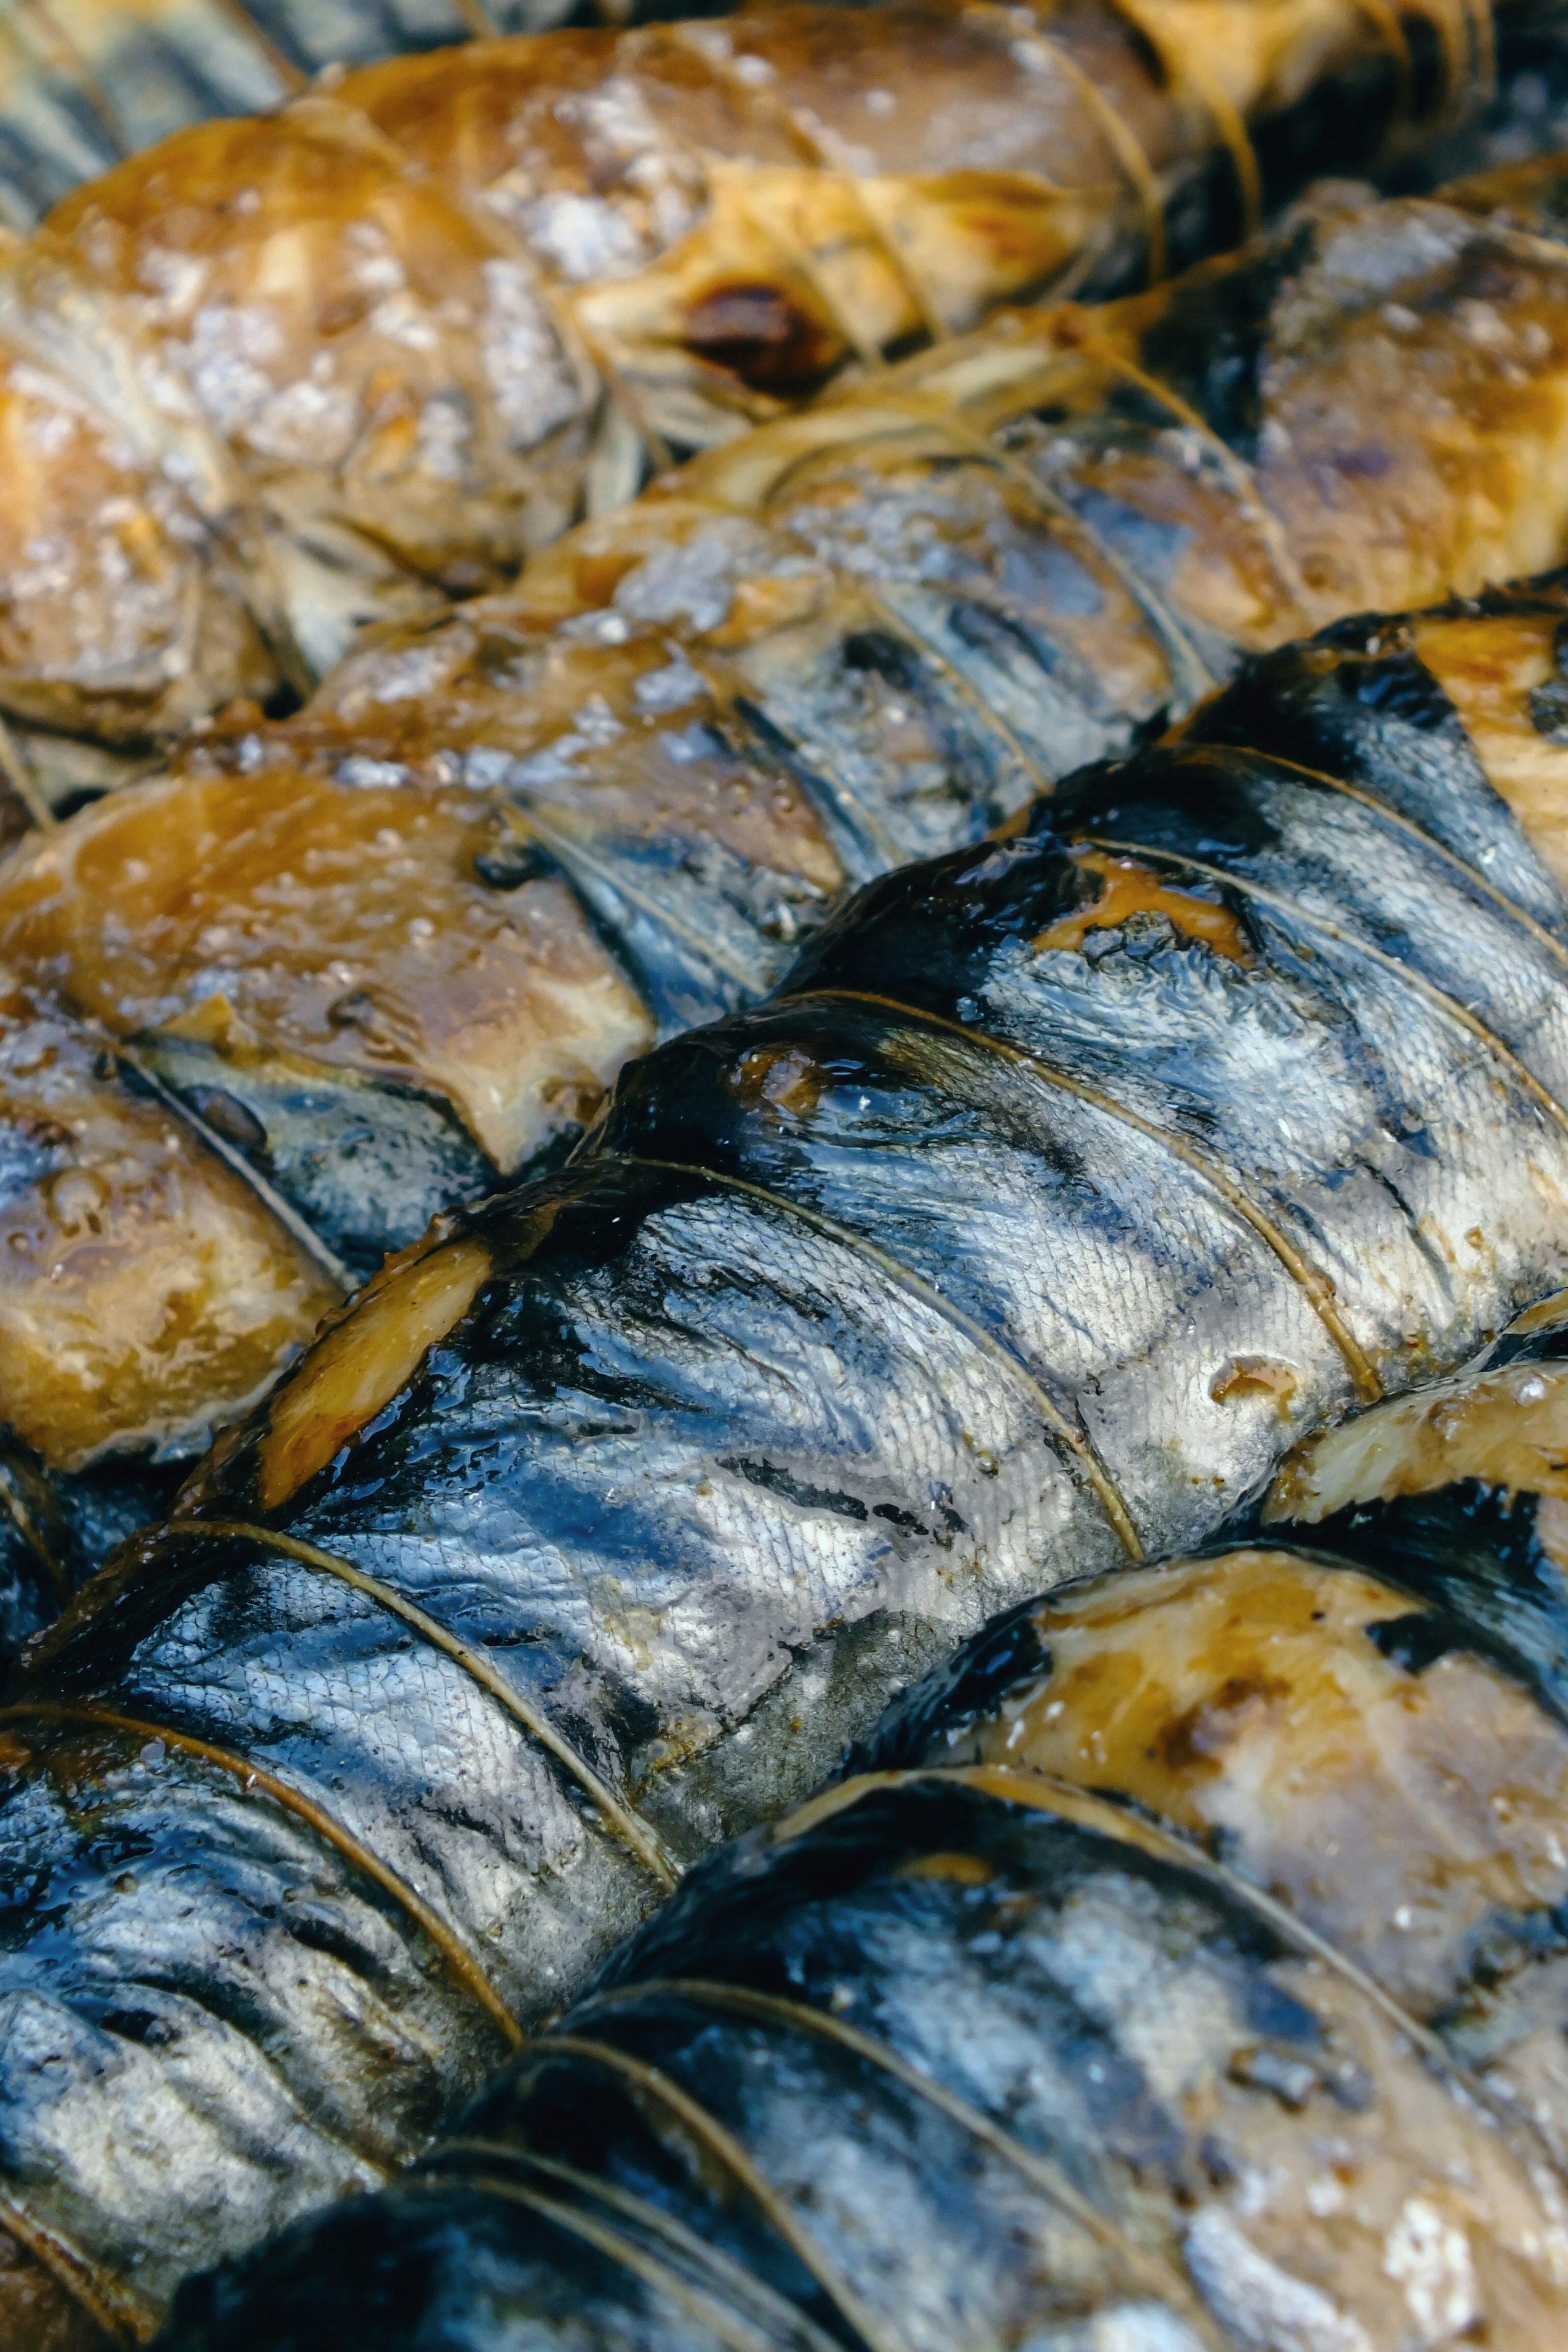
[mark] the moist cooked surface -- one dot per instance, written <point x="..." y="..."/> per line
<point x="391" y="952"/>
<point x="1064" y="1181"/>
<point x="1181" y="1963"/>
<point x="283" y="373"/>
<point x="384" y="955"/>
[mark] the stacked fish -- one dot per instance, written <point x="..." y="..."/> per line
<point x="1178" y="1959"/>
<point x="274" y="1009"/>
<point x="277" y="377"/>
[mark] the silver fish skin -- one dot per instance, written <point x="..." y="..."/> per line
<point x="1064" y="1182"/>
<point x="1179" y="1965"/>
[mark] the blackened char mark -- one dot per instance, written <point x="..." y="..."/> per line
<point x="764" y="334"/>
<point x="1472" y="1552"/>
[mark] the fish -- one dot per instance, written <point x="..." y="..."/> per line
<point x="284" y="374"/>
<point x="270" y="1012"/>
<point x="1066" y="1181"/>
<point x="1179" y="1965"/>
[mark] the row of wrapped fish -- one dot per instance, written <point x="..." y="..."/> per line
<point x="1178" y="1967"/>
<point x="1067" y="1178"/>
<point x="281" y="375"/>
<point x="272" y="1009"/>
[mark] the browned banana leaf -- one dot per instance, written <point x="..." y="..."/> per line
<point x="365" y="964"/>
<point x="1067" y="1178"/>
<point x="1180" y="1965"/>
<point x="283" y="375"/>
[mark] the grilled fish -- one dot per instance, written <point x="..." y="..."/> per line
<point x="267" y="1014"/>
<point x="1181" y="1964"/>
<point x="1067" y="1179"/>
<point x="280" y="376"/>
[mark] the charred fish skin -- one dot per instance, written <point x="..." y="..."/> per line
<point x="1064" y="1182"/>
<point x="1180" y="1966"/>
<point x="284" y="374"/>
<point x="382" y="957"/>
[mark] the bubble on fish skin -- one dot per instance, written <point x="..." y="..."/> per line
<point x="367" y="774"/>
<point x="693" y="581"/>
<point x="224" y="361"/>
<point x="402" y="319"/>
<point x="374" y="265"/>
<point x="664" y="186"/>
<point x="668" y="689"/>
<point x="595" y="723"/>
<point x="584" y="238"/>
<point x="595" y="628"/>
<point x="311" y="422"/>
<point x="50" y="429"/>
<point x="175" y="281"/>
<point x="45" y="569"/>
<point x="407" y="676"/>
<point x="442" y="435"/>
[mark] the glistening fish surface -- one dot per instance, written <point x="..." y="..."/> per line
<point x="1180" y="1966"/>
<point x="284" y="373"/>
<point x="272" y="1010"/>
<point x="1067" y="1180"/>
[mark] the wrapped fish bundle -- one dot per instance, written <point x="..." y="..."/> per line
<point x="284" y="374"/>
<point x="269" y="1013"/>
<point x="1180" y="1966"/>
<point x="1065" y="1179"/>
